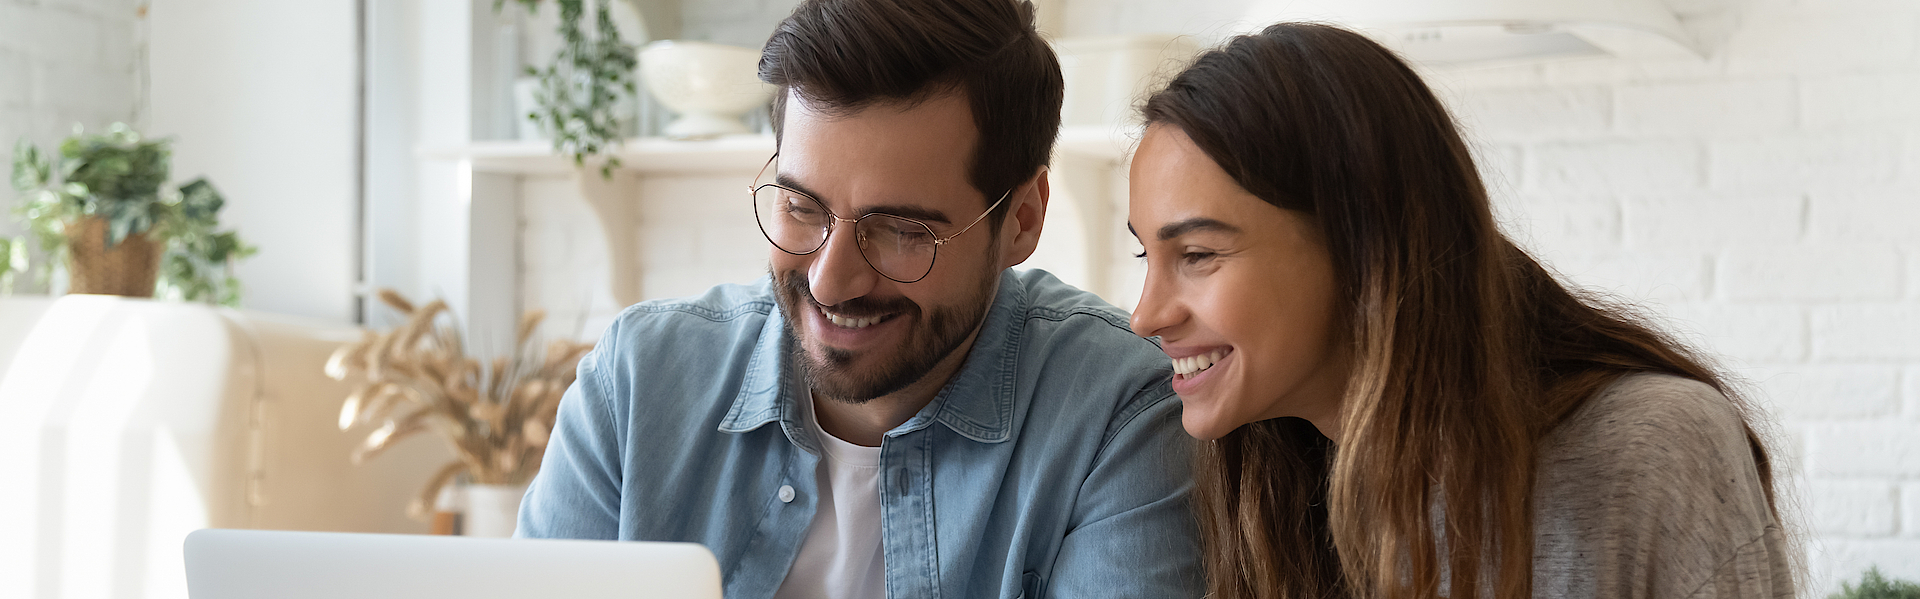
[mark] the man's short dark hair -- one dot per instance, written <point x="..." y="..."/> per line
<point x="841" y="56"/>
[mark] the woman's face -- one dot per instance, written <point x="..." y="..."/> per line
<point x="1240" y="292"/>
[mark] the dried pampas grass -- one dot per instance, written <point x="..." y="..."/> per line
<point x="496" y="414"/>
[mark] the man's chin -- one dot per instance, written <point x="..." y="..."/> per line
<point x="913" y="343"/>
<point x="831" y="372"/>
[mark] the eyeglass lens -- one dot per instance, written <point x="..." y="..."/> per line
<point x="899" y="248"/>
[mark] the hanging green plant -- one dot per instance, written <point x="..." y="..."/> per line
<point x="13" y="261"/>
<point x="98" y="209"/>
<point x="583" y="84"/>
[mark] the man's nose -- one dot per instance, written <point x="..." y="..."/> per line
<point x="839" y="273"/>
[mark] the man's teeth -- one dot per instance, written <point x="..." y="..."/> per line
<point x="849" y="323"/>
<point x="1193" y="365"/>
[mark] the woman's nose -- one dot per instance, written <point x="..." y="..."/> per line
<point x="1156" y="310"/>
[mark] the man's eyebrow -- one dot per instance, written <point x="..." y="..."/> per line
<point x="913" y="212"/>
<point x="789" y="182"/>
<point x="1183" y="227"/>
<point x="902" y="210"/>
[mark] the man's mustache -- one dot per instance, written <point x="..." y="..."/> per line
<point x="859" y="307"/>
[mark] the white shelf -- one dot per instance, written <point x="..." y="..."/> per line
<point x="647" y="155"/>
<point x="657" y="155"/>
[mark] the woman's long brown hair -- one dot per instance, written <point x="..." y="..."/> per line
<point x="1466" y="350"/>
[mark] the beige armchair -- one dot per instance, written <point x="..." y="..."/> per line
<point x="125" y="424"/>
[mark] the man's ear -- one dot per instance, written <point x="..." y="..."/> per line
<point x="1020" y="233"/>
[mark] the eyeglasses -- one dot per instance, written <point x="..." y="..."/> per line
<point x="899" y="248"/>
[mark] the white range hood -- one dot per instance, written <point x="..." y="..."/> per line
<point x="1447" y="33"/>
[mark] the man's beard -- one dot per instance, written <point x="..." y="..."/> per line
<point x="935" y="335"/>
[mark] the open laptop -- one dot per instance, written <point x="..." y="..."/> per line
<point x="258" y="564"/>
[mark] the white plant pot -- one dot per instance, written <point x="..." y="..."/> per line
<point x="710" y="86"/>
<point x="492" y="510"/>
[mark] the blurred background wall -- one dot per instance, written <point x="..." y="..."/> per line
<point x="1764" y="199"/>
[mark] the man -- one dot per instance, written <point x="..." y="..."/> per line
<point x="894" y="413"/>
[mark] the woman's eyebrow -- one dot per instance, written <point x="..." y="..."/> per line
<point x="1183" y="227"/>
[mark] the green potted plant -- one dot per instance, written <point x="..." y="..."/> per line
<point x="98" y="207"/>
<point x="580" y="89"/>
<point x="1874" y="586"/>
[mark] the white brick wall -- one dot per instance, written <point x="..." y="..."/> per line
<point x="701" y="235"/>
<point x="1856" y="100"/>
<point x="1910" y="391"/>
<point x="1843" y="216"/>
<point x="1910" y="509"/>
<point x="1765" y="200"/>
<point x="1766" y="333"/>
<point x="1876" y="331"/>
<point x="564" y="261"/>
<point x="1817" y="161"/>
<point x="1668" y="219"/>
<point x="64" y="63"/>
<point x="1818" y="392"/>
<point x="1706" y="108"/>
<point x="1540" y="112"/>
<point x="1820" y="272"/>
<point x="1841" y="557"/>
<point x="1614" y="164"/>
<point x="1861" y="508"/>
<point x="1782" y="171"/>
<point x="1820" y="38"/>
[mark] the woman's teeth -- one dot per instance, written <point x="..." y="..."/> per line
<point x="1190" y="366"/>
<point x="849" y="323"/>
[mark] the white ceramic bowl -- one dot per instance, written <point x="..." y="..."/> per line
<point x="710" y="86"/>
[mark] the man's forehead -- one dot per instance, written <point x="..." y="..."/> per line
<point x="942" y="120"/>
<point x="908" y="160"/>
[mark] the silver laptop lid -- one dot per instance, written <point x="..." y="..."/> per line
<point x="256" y="564"/>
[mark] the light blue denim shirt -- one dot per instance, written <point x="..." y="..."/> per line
<point x="1052" y="465"/>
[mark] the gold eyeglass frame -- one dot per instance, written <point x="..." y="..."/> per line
<point x="753" y="192"/>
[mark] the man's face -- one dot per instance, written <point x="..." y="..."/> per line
<point x="859" y="334"/>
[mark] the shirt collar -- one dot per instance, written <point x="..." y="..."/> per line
<point x="977" y="403"/>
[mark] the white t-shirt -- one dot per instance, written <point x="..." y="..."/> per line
<point x="840" y="558"/>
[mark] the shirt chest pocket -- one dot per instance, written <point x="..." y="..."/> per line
<point x="1031" y="587"/>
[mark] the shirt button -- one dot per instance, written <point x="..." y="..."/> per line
<point x="786" y="493"/>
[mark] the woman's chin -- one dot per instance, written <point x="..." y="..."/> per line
<point x="1203" y="426"/>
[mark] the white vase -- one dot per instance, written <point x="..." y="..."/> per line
<point x="710" y="86"/>
<point x="492" y="510"/>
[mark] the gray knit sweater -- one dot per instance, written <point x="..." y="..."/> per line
<point x="1650" y="490"/>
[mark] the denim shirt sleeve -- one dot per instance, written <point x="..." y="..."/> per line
<point x="1134" y="534"/>
<point x="576" y="495"/>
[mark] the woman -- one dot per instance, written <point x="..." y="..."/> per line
<point x="1399" y="401"/>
